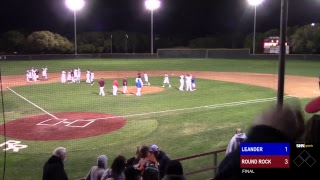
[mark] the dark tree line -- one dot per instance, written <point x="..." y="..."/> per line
<point x="304" y="39"/>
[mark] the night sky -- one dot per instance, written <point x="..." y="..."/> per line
<point x="188" y="17"/>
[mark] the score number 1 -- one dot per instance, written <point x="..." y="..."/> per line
<point x="286" y="160"/>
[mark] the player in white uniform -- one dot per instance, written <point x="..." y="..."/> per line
<point x="75" y="75"/>
<point x="28" y="75"/>
<point x="166" y="80"/>
<point x="181" y="83"/>
<point x="146" y="78"/>
<point x="79" y="75"/>
<point x="69" y="78"/>
<point x="88" y="80"/>
<point x="63" y="77"/>
<point x="33" y="74"/>
<point x="44" y="73"/>
<point x="92" y="77"/>
<point x="188" y="82"/>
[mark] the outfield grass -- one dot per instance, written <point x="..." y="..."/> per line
<point x="179" y="133"/>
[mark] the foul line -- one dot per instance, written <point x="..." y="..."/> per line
<point x="215" y="106"/>
<point x="33" y="104"/>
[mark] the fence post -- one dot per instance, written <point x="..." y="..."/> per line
<point x="215" y="162"/>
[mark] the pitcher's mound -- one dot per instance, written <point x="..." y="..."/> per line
<point x="144" y="90"/>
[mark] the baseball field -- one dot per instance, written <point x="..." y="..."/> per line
<point x="39" y="116"/>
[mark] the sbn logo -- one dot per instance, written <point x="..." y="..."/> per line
<point x="300" y="146"/>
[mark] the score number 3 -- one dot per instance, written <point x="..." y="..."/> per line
<point x="286" y="160"/>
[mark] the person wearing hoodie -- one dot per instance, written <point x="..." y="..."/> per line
<point x="235" y="141"/>
<point x="161" y="157"/>
<point x="54" y="167"/>
<point x="174" y="171"/>
<point x="96" y="171"/>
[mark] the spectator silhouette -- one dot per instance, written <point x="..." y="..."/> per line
<point x="96" y="172"/>
<point x="161" y="157"/>
<point x="235" y="141"/>
<point x="174" y="171"/>
<point x="312" y="130"/>
<point x="116" y="172"/>
<point x="275" y="125"/>
<point x="130" y="172"/>
<point x="146" y="157"/>
<point x="54" y="168"/>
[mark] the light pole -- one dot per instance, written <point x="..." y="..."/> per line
<point x="111" y="43"/>
<point x="152" y="5"/>
<point x="75" y="5"/>
<point x="127" y="43"/>
<point x="254" y="3"/>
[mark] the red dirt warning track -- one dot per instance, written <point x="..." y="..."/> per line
<point x="70" y="125"/>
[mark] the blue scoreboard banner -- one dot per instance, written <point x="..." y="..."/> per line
<point x="265" y="155"/>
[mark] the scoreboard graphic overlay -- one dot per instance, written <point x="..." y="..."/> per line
<point x="284" y="158"/>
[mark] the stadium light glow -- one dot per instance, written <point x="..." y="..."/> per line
<point x="75" y="5"/>
<point x="254" y="3"/>
<point x="152" y="5"/>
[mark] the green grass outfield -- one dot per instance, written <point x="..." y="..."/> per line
<point x="194" y="129"/>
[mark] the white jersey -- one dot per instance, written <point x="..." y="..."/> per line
<point x="75" y="73"/>
<point x="145" y="76"/>
<point x="44" y="71"/>
<point x="69" y="76"/>
<point x="79" y="73"/>
<point x="188" y="79"/>
<point x="92" y="76"/>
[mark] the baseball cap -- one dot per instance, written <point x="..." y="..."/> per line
<point x="153" y="148"/>
<point x="313" y="106"/>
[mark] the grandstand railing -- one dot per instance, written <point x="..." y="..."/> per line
<point x="214" y="163"/>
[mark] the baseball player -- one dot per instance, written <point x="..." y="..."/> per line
<point x="63" y="77"/>
<point x="139" y="79"/>
<point x="181" y="83"/>
<point x="124" y="85"/>
<point x="101" y="85"/>
<point x="33" y="74"/>
<point x="138" y="85"/>
<point x="69" y="78"/>
<point x="188" y="82"/>
<point x="37" y="74"/>
<point x="28" y="75"/>
<point x="88" y="76"/>
<point x="146" y="78"/>
<point x="79" y="75"/>
<point x="75" y="75"/>
<point x="115" y="87"/>
<point x="44" y="73"/>
<point x="92" y="77"/>
<point x="166" y="80"/>
<point x="193" y="83"/>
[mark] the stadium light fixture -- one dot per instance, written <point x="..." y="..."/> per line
<point x="75" y="5"/>
<point x="152" y="5"/>
<point x="254" y="3"/>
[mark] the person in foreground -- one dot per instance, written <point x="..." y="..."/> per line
<point x="54" y="167"/>
<point x="174" y="171"/>
<point x="96" y="171"/>
<point x="284" y="124"/>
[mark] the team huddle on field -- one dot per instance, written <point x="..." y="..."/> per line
<point x="33" y="74"/>
<point x="187" y="82"/>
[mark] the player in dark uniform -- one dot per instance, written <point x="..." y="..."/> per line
<point x="124" y="85"/>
